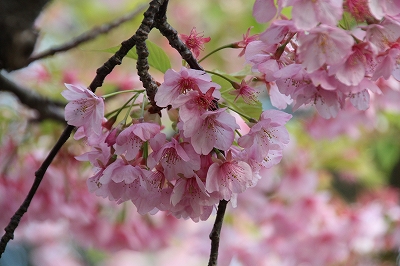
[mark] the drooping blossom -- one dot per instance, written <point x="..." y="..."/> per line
<point x="84" y="109"/>
<point x="382" y="36"/>
<point x="228" y="177"/>
<point x="307" y="14"/>
<point x="132" y="138"/>
<point x="190" y="199"/>
<point x="248" y="94"/>
<point x="178" y="83"/>
<point x="216" y="130"/>
<point x="195" y="41"/>
<point x="245" y="41"/>
<point x="195" y="103"/>
<point x="177" y="159"/>
<point x="264" y="10"/>
<point x="324" y="45"/>
<point x="353" y="70"/>
<point x="381" y="8"/>
<point x="277" y="31"/>
<point x="358" y="9"/>
<point x="269" y="133"/>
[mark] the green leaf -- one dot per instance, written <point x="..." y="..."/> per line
<point x="252" y="110"/>
<point x="157" y="57"/>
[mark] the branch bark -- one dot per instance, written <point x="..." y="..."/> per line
<point x="46" y="108"/>
<point x="216" y="233"/>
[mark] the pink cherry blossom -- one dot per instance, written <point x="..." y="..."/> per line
<point x="194" y="103"/>
<point x="278" y="99"/>
<point x="353" y="70"/>
<point x="387" y="63"/>
<point x="360" y="100"/>
<point x="245" y="41"/>
<point x="84" y="109"/>
<point x="381" y="8"/>
<point x="309" y="13"/>
<point x="217" y="130"/>
<point x="132" y="138"/>
<point x="189" y="198"/>
<point x="358" y="9"/>
<point x="152" y="194"/>
<point x="267" y="134"/>
<point x="324" y="45"/>
<point x="382" y="36"/>
<point x="228" y="176"/>
<point x="178" y="83"/>
<point x="277" y="31"/>
<point x="119" y="171"/>
<point x="194" y="41"/>
<point x="177" y="159"/>
<point x="249" y="94"/>
<point x="264" y="10"/>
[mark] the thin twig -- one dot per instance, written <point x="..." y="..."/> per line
<point x="46" y="108"/>
<point x="216" y="233"/>
<point x="87" y="36"/>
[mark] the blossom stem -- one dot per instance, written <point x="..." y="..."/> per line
<point x="222" y="76"/>
<point x="118" y="111"/>
<point x="143" y="104"/>
<point x="130" y="108"/>
<point x="231" y="45"/>
<point x="250" y="119"/>
<point x="120" y="92"/>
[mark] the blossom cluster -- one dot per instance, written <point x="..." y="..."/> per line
<point x="204" y="161"/>
<point x="330" y="53"/>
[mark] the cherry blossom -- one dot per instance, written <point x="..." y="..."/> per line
<point x="267" y="134"/>
<point x="190" y="199"/>
<point x="178" y="83"/>
<point x="248" y="93"/>
<point x="245" y="41"/>
<point x="131" y="139"/>
<point x="216" y="130"/>
<point x="177" y="159"/>
<point x="308" y="14"/>
<point x="228" y="176"/>
<point x="84" y="109"/>
<point x="264" y="10"/>
<point x="324" y="45"/>
<point x="194" y="41"/>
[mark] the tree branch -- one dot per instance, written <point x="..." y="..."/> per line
<point x="98" y="80"/>
<point x="46" y="108"/>
<point x="87" y="36"/>
<point x="216" y="233"/>
<point x="172" y="35"/>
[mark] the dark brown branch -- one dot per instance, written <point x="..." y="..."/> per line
<point x="141" y="49"/>
<point x="102" y="72"/>
<point x="172" y="35"/>
<point x="46" y="108"/>
<point x="87" y="36"/>
<point x="216" y="233"/>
